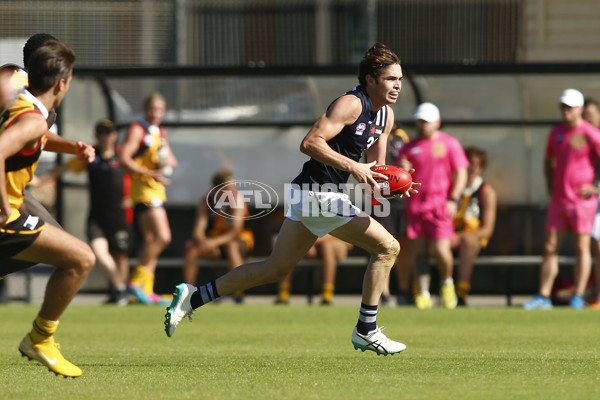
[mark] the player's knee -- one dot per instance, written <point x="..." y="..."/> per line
<point x="86" y="260"/>
<point x="386" y="255"/>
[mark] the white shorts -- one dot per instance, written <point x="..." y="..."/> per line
<point x="596" y="228"/>
<point x="320" y="212"/>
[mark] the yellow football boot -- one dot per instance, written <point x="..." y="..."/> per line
<point x="48" y="353"/>
<point x="448" y="295"/>
<point x="423" y="302"/>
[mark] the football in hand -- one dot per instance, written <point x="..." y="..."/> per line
<point x="399" y="180"/>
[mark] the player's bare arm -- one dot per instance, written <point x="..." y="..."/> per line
<point x="131" y="145"/>
<point x="343" y="112"/>
<point x="58" y="144"/>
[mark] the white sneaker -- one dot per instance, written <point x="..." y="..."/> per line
<point x="180" y="307"/>
<point x="376" y="341"/>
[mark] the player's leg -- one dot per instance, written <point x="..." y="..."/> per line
<point x="106" y="262"/>
<point x="156" y="233"/>
<point x="365" y="232"/>
<point x="292" y="243"/>
<point x="469" y="248"/>
<point x="73" y="260"/>
<point x="581" y="269"/>
<point x="596" y="270"/>
<point x="154" y="224"/>
<point x="442" y="253"/>
<point x="548" y="270"/>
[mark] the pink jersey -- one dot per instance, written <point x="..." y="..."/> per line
<point x="576" y="152"/>
<point x="434" y="161"/>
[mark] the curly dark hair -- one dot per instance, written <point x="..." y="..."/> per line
<point x="376" y="59"/>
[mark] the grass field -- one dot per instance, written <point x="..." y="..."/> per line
<point x="304" y="352"/>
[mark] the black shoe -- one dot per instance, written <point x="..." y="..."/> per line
<point x="462" y="302"/>
<point x="120" y="298"/>
<point x="405" y="299"/>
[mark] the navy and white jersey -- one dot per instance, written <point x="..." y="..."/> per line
<point x="350" y="142"/>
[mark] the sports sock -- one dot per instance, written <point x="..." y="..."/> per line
<point x="448" y="281"/>
<point x="284" y="292"/>
<point x="367" y="319"/>
<point x="204" y="294"/>
<point x="462" y="289"/>
<point x="138" y="275"/>
<point x="327" y="292"/>
<point x="42" y="329"/>
<point x="149" y="283"/>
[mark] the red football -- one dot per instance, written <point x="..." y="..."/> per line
<point x="399" y="179"/>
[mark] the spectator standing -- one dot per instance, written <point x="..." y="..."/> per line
<point x="441" y="167"/>
<point x="591" y="113"/>
<point x="572" y="153"/>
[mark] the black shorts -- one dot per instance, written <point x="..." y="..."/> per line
<point x="19" y="234"/>
<point x="115" y="232"/>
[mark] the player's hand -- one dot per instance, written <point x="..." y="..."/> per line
<point x="4" y="214"/>
<point x="587" y="191"/>
<point x="452" y="207"/>
<point x="413" y="187"/>
<point x="85" y="152"/>
<point x="363" y="174"/>
<point x="158" y="176"/>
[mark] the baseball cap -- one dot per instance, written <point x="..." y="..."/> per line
<point x="572" y="98"/>
<point x="427" y="112"/>
<point x="104" y="127"/>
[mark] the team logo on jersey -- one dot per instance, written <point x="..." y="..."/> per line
<point x="223" y="200"/>
<point x="360" y="128"/>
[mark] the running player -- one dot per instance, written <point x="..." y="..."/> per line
<point x="24" y="236"/>
<point x="359" y="120"/>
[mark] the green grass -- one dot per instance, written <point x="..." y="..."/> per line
<point x="303" y="352"/>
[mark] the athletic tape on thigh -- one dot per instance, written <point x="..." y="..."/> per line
<point x="386" y="258"/>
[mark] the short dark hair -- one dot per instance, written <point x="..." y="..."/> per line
<point x="104" y="127"/>
<point x="376" y="59"/>
<point x="48" y="64"/>
<point x="222" y="176"/>
<point x="477" y="152"/>
<point x="34" y="42"/>
<point x="590" y="101"/>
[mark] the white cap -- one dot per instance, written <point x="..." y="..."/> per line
<point x="427" y="112"/>
<point x="571" y="98"/>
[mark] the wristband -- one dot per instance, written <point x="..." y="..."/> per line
<point x="457" y="201"/>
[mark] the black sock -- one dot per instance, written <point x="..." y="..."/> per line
<point x="204" y="294"/>
<point x="367" y="320"/>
